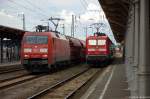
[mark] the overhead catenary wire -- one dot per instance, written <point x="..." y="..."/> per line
<point x="89" y="12"/>
<point x="13" y="11"/>
<point x="85" y="6"/>
<point x="27" y="8"/>
<point x="35" y="7"/>
<point x="39" y="9"/>
<point x="85" y="2"/>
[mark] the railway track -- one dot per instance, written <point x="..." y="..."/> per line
<point x="67" y="87"/>
<point x="29" y="88"/>
<point x="9" y="79"/>
<point x="17" y="80"/>
<point x="3" y="71"/>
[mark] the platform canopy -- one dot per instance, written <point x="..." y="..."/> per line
<point x="11" y="33"/>
<point x="117" y="14"/>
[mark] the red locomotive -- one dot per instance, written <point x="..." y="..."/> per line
<point x="98" y="49"/>
<point x="42" y="51"/>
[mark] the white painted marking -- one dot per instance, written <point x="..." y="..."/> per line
<point x="107" y="84"/>
<point x="94" y="85"/>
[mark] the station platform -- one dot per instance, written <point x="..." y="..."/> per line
<point x="13" y="63"/>
<point x="110" y="84"/>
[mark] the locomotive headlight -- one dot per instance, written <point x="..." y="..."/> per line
<point x="27" y="50"/>
<point x="26" y="56"/>
<point x="44" y="50"/>
<point x="45" y="56"/>
<point x="102" y="49"/>
<point x="91" y="49"/>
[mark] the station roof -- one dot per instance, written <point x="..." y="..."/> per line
<point x="117" y="14"/>
<point x="11" y="33"/>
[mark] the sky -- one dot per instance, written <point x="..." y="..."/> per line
<point x="38" y="12"/>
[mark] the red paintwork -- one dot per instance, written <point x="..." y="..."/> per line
<point x="61" y="49"/>
<point x="75" y="49"/>
<point x="97" y="47"/>
<point x="58" y="48"/>
<point x="83" y="51"/>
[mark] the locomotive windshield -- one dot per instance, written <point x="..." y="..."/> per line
<point x="92" y="42"/>
<point x="36" y="39"/>
<point x="101" y="42"/>
<point x="97" y="42"/>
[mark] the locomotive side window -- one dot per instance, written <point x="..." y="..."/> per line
<point x="101" y="42"/>
<point x="92" y="42"/>
<point x="36" y="39"/>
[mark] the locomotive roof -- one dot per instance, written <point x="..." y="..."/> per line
<point x="75" y="41"/>
<point x="99" y="34"/>
<point x="53" y="34"/>
<point x="60" y="36"/>
<point x="93" y="37"/>
<point x="83" y="43"/>
<point x="36" y="33"/>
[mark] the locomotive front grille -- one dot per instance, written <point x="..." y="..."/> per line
<point x="35" y="61"/>
<point x="96" y="57"/>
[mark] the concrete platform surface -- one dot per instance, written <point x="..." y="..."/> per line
<point x="111" y="84"/>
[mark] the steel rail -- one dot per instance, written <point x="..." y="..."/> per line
<point x="26" y="78"/>
<point x="11" y="70"/>
<point x="74" y="91"/>
<point x="56" y="85"/>
<point x="12" y="78"/>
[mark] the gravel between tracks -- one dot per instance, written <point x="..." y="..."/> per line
<point x="27" y="89"/>
<point x="10" y="68"/>
<point x="70" y="86"/>
<point x="12" y="75"/>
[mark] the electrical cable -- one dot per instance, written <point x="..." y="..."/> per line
<point x="27" y="8"/>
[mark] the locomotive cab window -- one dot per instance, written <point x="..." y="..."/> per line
<point x="36" y="39"/>
<point x="101" y="42"/>
<point x="92" y="42"/>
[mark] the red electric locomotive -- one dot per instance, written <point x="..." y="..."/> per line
<point x="98" y="49"/>
<point x="41" y="51"/>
